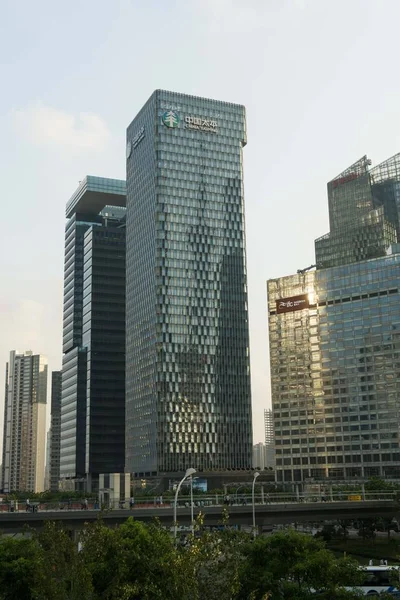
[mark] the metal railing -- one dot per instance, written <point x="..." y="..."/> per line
<point x="202" y="501"/>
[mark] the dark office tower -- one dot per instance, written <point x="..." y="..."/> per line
<point x="188" y="401"/>
<point x="335" y="339"/>
<point x="93" y="377"/>
<point x="55" y="430"/>
<point x="104" y="338"/>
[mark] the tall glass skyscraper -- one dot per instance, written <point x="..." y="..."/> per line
<point x="188" y="401"/>
<point x="335" y="338"/>
<point x="93" y="373"/>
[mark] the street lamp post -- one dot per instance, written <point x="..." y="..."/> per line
<point x="191" y="504"/>
<point x="188" y="473"/>
<point x="256" y="474"/>
<point x="236" y="493"/>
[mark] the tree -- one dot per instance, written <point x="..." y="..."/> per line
<point x="327" y="533"/>
<point x="141" y="562"/>
<point x="293" y="565"/>
<point x="376" y="484"/>
<point x="136" y="562"/>
<point x="42" y="566"/>
<point x="66" y="575"/>
<point x="367" y="528"/>
<point x="344" y="525"/>
<point x="21" y="569"/>
<point x="217" y="559"/>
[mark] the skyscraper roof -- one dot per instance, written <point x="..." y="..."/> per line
<point x="94" y="193"/>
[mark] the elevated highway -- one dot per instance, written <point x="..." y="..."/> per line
<point x="266" y="514"/>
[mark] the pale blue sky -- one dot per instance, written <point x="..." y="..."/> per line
<point x="319" y="80"/>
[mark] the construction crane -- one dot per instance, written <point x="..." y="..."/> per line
<point x="302" y="271"/>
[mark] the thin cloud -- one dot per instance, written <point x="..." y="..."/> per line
<point x="233" y="15"/>
<point x="45" y="125"/>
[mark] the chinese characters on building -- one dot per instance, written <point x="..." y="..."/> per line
<point x="138" y="137"/>
<point x="201" y="124"/>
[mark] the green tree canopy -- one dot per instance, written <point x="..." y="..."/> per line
<point x="136" y="562"/>
<point x="293" y="565"/>
<point x="141" y="562"/>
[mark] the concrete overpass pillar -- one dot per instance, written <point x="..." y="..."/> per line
<point x="330" y="493"/>
<point x="297" y="492"/>
<point x="363" y="491"/>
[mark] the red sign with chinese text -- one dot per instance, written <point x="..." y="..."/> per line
<point x="345" y="179"/>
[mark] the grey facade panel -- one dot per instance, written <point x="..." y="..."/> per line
<point x="73" y="413"/>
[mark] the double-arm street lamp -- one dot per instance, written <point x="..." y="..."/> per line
<point x="189" y="473"/>
<point x="256" y="474"/>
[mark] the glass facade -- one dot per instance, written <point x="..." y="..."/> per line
<point x="363" y="213"/>
<point x="188" y="401"/>
<point x="93" y="373"/>
<point x="104" y="338"/>
<point x="335" y="371"/>
<point x="73" y="394"/>
<point x="335" y="338"/>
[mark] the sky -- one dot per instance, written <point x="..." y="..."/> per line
<point x="320" y="83"/>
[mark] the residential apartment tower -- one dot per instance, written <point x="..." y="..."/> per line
<point x="24" y="438"/>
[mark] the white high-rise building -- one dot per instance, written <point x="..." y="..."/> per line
<point x="259" y="456"/>
<point x="269" y="438"/>
<point x="24" y="437"/>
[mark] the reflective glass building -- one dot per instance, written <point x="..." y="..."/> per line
<point x="188" y="401"/>
<point x="363" y="213"/>
<point x="335" y="339"/>
<point x="93" y="373"/>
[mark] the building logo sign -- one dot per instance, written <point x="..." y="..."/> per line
<point x="171" y="118"/>
<point x="138" y="137"/>
<point x="135" y="142"/>
<point x="291" y="304"/>
<point x="201" y="124"/>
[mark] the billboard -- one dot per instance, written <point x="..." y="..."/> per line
<point x="293" y="303"/>
<point x="199" y="485"/>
